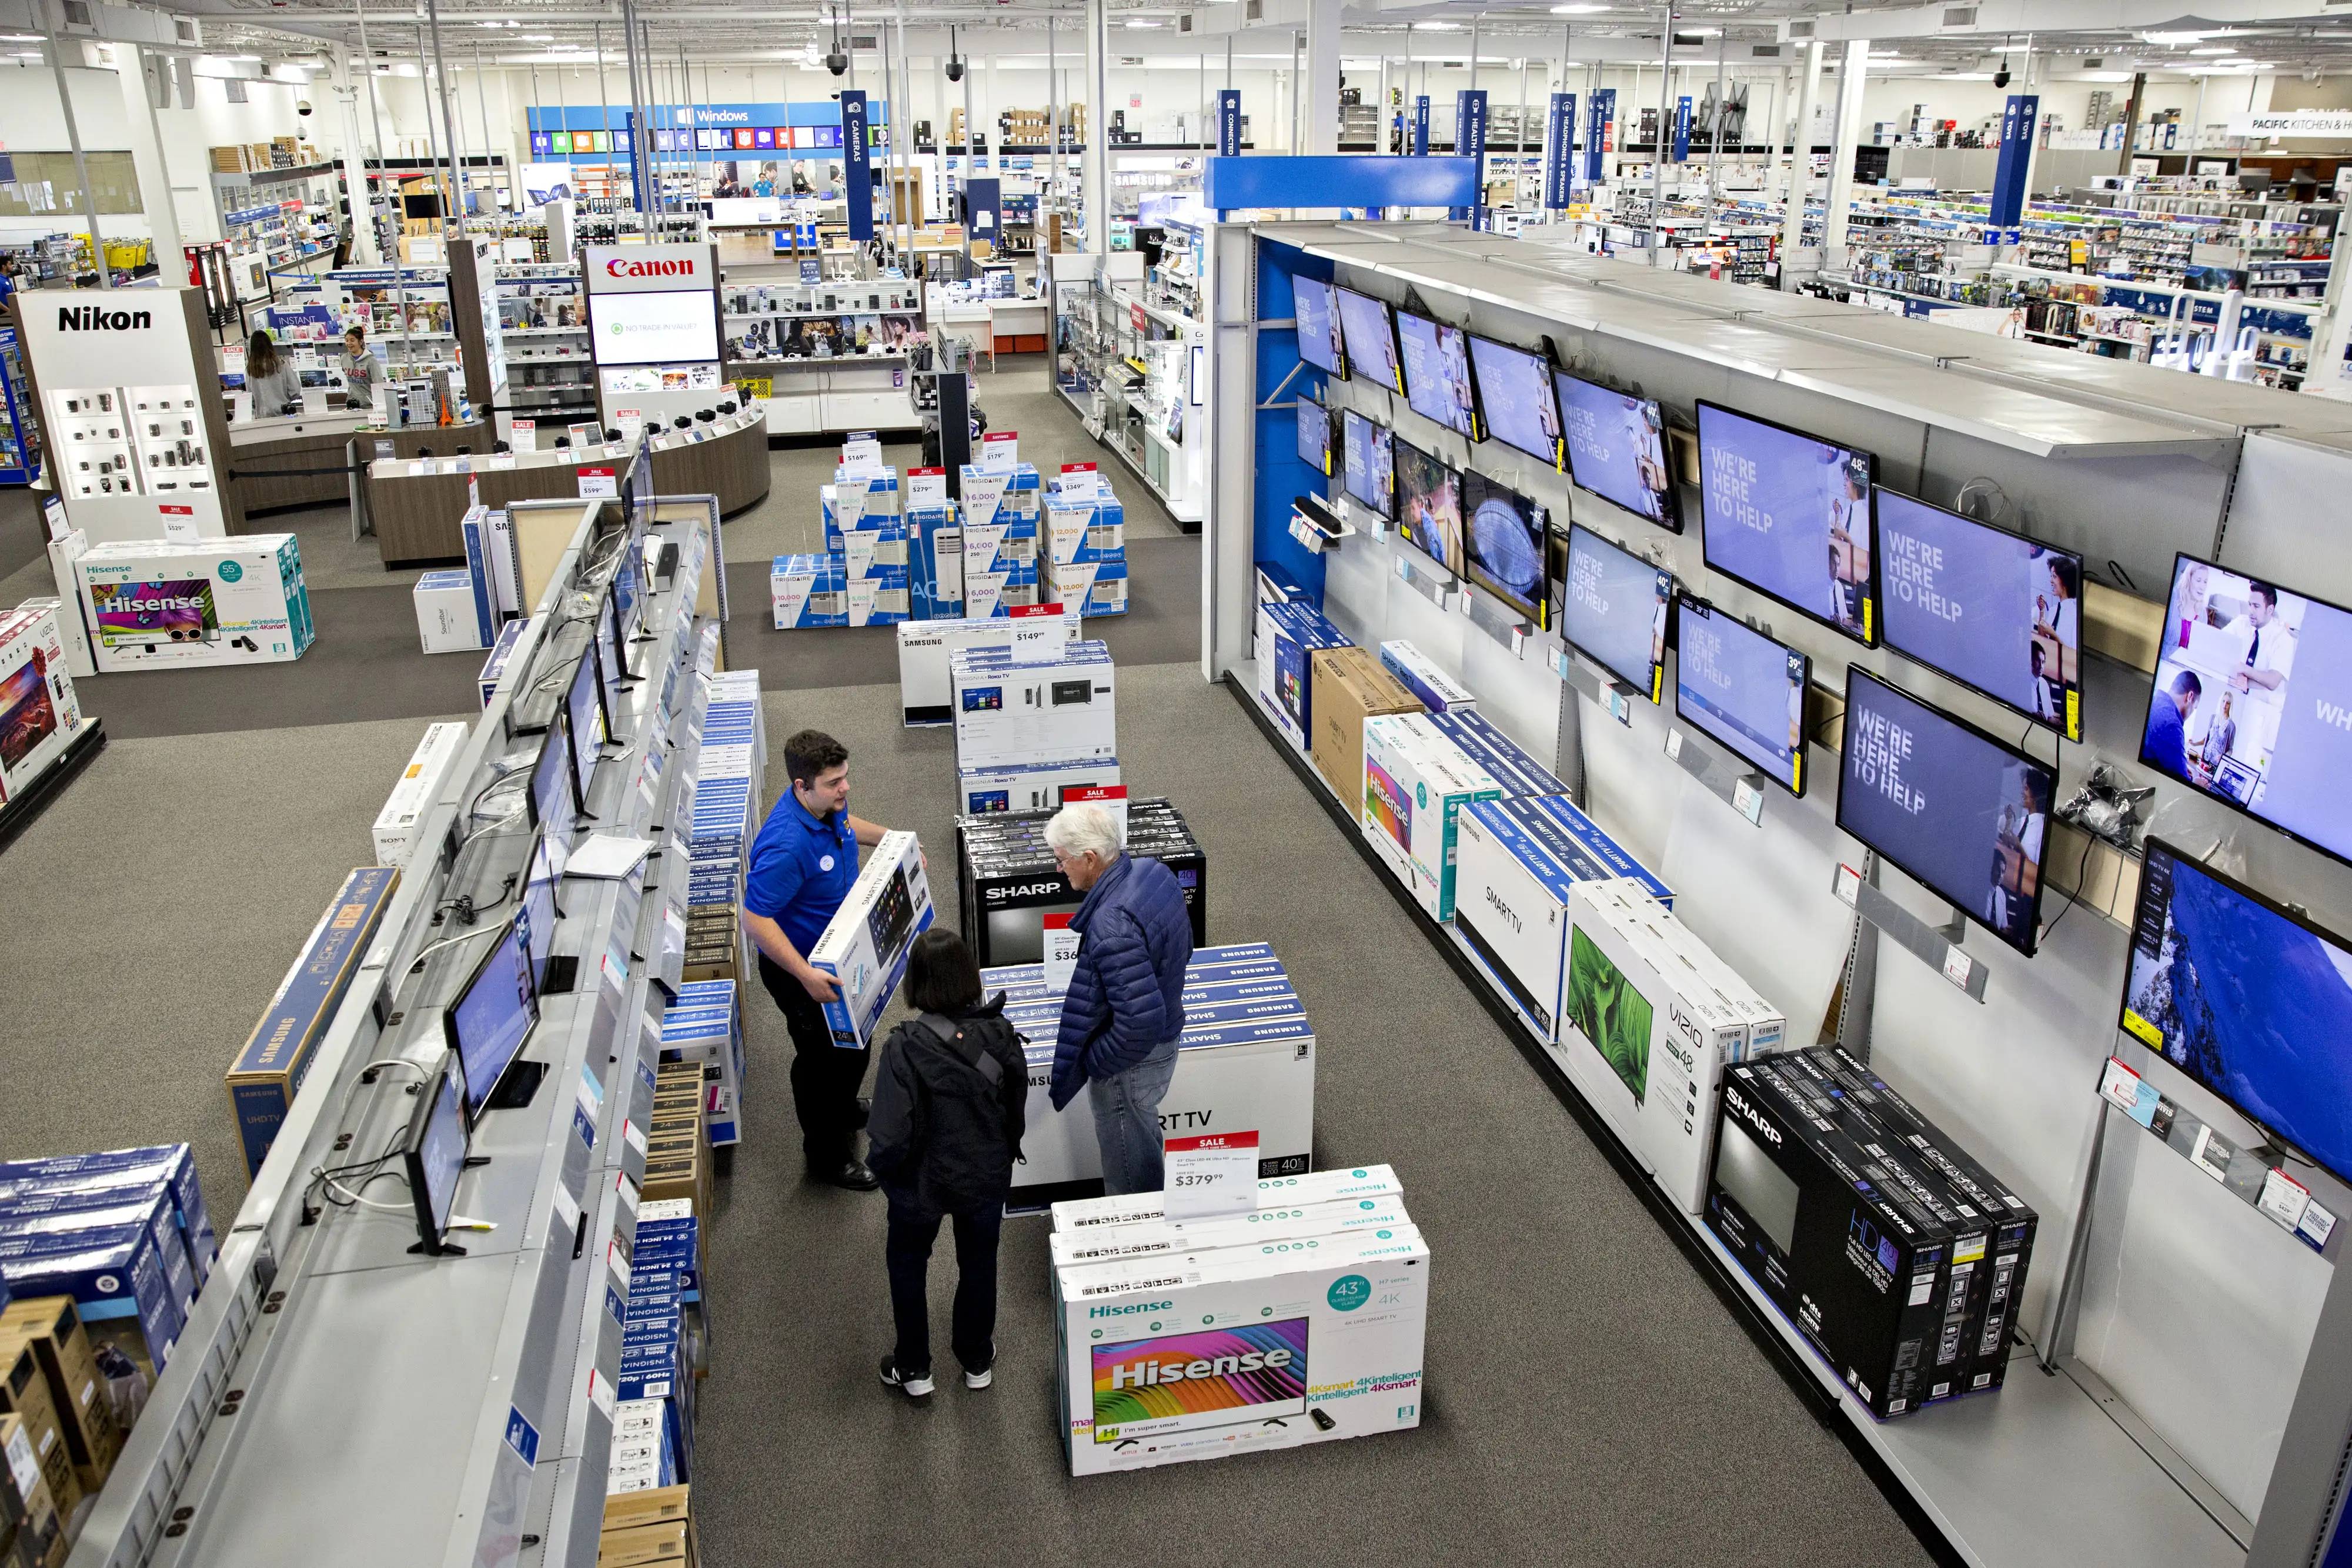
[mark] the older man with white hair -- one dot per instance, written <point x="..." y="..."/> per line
<point x="1125" y="1006"/>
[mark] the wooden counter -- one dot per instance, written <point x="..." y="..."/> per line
<point x="322" y="442"/>
<point x="417" y="514"/>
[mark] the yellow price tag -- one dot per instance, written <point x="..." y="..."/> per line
<point x="2147" y="1032"/>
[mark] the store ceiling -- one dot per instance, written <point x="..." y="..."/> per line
<point x="1754" y="37"/>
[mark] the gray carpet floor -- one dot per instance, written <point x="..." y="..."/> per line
<point x="1590" y="1399"/>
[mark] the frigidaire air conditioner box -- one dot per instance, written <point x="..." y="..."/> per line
<point x="1241" y="1350"/>
<point x="864" y="945"/>
<point x="156" y="602"/>
<point x="412" y="795"/>
<point x="1350" y="687"/>
<point x="446" y="622"/>
<point x="1415" y="783"/>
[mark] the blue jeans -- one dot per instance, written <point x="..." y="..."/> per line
<point x="1127" y="1122"/>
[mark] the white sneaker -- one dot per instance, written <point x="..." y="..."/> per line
<point x="981" y="1379"/>
<point x="916" y="1387"/>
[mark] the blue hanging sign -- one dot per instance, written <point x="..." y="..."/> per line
<point x="1421" y="126"/>
<point x="1596" y="132"/>
<point x="1470" y="140"/>
<point x="1559" y="167"/>
<point x="1682" y="129"/>
<point x="2017" y="125"/>
<point x="1229" y="122"/>
<point x="857" y="166"/>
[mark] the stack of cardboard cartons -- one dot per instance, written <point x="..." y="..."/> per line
<point x="1288" y="1322"/>
<point x="126" y="1235"/>
<point x="32" y="1531"/>
<point x="49" y="1329"/>
<point x="1416" y="782"/>
<point x="999" y="508"/>
<point x="865" y="538"/>
<point x="934" y="561"/>
<point x="1348" y="686"/>
<point x="1513" y="766"/>
<point x="703" y="1029"/>
<point x="1023" y="127"/>
<point x="649" y="1529"/>
<point x="39" y="713"/>
<point x="1007" y="882"/>
<point x="1286" y="637"/>
<point x="1890" y="1247"/>
<point x="678" y="1139"/>
<point x="720" y="826"/>
<point x="1083" y="557"/>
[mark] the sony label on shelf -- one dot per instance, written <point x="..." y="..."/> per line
<point x="1000" y="451"/>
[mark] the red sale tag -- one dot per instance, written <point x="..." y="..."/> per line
<point x="1061" y="953"/>
<point x="1211" y="1172"/>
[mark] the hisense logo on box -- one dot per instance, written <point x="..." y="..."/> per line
<point x="1128" y="1311"/>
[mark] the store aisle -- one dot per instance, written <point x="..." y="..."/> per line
<point x="1588" y="1399"/>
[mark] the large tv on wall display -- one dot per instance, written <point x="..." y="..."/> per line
<point x="1789" y="515"/>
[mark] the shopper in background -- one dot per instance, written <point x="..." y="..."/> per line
<point x="1125" y="1006"/>
<point x="359" y="369"/>
<point x="802" y="864"/>
<point x="950" y="1098"/>
<point x="270" y="380"/>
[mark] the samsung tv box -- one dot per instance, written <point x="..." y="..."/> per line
<point x="864" y="945"/>
<point x="1438" y="692"/>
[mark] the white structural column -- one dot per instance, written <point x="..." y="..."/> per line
<point x="1849" y="134"/>
<point x="1321" y="106"/>
<point x="1097" y="143"/>
<point x="1800" y="162"/>
<point x="144" y="75"/>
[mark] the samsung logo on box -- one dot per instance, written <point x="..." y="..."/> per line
<point x="98" y="319"/>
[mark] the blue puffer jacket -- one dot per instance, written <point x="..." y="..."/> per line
<point x="1126" y="997"/>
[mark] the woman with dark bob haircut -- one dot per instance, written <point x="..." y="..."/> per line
<point x="949" y="1095"/>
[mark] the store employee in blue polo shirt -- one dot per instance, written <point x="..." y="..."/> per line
<point x="802" y="867"/>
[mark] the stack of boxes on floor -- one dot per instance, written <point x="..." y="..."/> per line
<point x="102" y="1258"/>
<point x="861" y="580"/>
<point x="719" y="827"/>
<point x="37" y="711"/>
<point x="1299" y="1320"/>
<point x="1008" y="882"/>
<point x="665" y="1350"/>
<point x="1036" y="724"/>
<point x="999" y="516"/>
<point x="1083" y="557"/>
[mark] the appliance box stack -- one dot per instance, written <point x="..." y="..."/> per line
<point x="1083" y="551"/>
<point x="1008" y="882"/>
<point x="1001" y="510"/>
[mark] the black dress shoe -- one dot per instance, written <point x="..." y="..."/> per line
<point x="854" y="1176"/>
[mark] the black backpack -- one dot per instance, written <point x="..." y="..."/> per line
<point x="969" y="1115"/>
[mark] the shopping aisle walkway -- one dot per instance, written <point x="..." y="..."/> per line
<point x="1588" y="1399"/>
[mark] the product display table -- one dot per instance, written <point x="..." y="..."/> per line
<point x="1019" y="326"/>
<point x="417" y="503"/>
<point x="266" y="457"/>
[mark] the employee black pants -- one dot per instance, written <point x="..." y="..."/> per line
<point x="908" y="1252"/>
<point x="825" y="1076"/>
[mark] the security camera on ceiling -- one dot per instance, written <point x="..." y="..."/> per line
<point x="302" y="107"/>
<point x="955" y="63"/>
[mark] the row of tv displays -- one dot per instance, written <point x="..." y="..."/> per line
<point x="2253" y="701"/>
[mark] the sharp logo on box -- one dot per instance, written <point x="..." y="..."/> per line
<point x="98" y="319"/>
<point x="1128" y="1312"/>
<point x="1753" y="1117"/>
<point x="616" y="267"/>
<point x="1027" y="890"/>
<point x="1503" y="909"/>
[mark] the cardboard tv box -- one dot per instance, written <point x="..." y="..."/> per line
<point x="1841" y="1241"/>
<point x="1350" y="687"/>
<point x="157" y="602"/>
<point x="1152" y="1238"/>
<point x="864" y="945"/>
<point x="1279" y="1348"/>
<point x="1511" y="891"/>
<point x="1340" y="1184"/>
<point x="38" y="710"/>
<point x="1416" y="784"/>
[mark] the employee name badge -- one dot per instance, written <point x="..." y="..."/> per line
<point x="522" y="434"/>
<point x="1039" y="634"/>
<point x="598" y="482"/>
<point x="1061" y="954"/>
<point x="927" y="488"/>
<point x="1081" y="482"/>
<point x="1000" y="451"/>
<point x="1215" y="1173"/>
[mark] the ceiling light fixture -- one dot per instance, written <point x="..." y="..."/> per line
<point x="1580" y="10"/>
<point x="20" y="37"/>
<point x="2215" y="50"/>
<point x="1140" y="22"/>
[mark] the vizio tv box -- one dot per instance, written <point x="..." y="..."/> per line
<point x="864" y="945"/>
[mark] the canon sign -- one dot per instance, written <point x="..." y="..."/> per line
<point x="618" y="268"/>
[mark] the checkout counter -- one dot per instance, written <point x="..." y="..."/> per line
<point x="275" y="463"/>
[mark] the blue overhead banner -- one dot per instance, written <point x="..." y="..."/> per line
<point x="1353" y="179"/>
<point x="1229" y="122"/>
<point x="1596" y="132"/>
<point x="1682" y="129"/>
<point x="1421" y="126"/>
<point x="983" y="211"/>
<point x="1559" y="166"/>
<point x="857" y="166"/>
<point x="2017" y="125"/>
<point x="1470" y="139"/>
